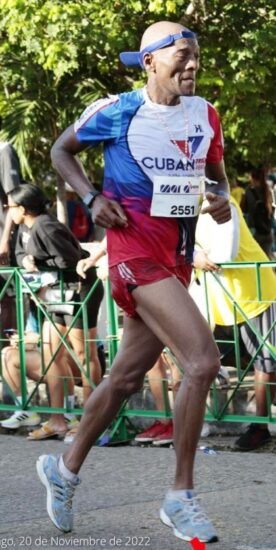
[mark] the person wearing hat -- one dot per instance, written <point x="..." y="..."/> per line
<point x="160" y="143"/>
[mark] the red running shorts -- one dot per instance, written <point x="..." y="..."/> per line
<point x="126" y="276"/>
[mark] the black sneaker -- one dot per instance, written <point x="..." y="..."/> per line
<point x="253" y="438"/>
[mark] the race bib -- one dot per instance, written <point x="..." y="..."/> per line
<point x="177" y="197"/>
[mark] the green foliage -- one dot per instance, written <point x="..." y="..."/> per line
<point x="56" y="57"/>
<point x="238" y="68"/>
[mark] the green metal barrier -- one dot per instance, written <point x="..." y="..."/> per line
<point x="14" y="279"/>
<point x="222" y="399"/>
<point x="121" y="429"/>
<point x="220" y="412"/>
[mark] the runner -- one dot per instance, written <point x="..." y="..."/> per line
<point x="159" y="142"/>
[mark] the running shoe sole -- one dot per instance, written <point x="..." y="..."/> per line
<point x="166" y="520"/>
<point x="45" y="482"/>
<point x="160" y="442"/>
<point x="11" y="427"/>
<point x="255" y="448"/>
<point x="144" y="440"/>
<point x="23" y="424"/>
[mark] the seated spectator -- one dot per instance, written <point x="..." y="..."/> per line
<point x="43" y="242"/>
<point x="11" y="369"/>
<point x="10" y="357"/>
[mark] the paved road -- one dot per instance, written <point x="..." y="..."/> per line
<point x="117" y="504"/>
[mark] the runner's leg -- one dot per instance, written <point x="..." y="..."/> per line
<point x="139" y="350"/>
<point x="168" y="310"/>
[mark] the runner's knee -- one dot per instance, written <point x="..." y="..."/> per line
<point x="126" y="384"/>
<point x="205" y="368"/>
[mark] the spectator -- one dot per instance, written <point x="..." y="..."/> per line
<point x="44" y="242"/>
<point x="164" y="373"/>
<point x="11" y="368"/>
<point x="10" y="357"/>
<point x="10" y="178"/>
<point x="233" y="241"/>
<point x="161" y="431"/>
<point x="258" y="210"/>
<point x="271" y="181"/>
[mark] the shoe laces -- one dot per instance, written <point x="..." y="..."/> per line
<point x="64" y="492"/>
<point x="197" y="513"/>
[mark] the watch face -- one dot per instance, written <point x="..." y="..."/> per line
<point x="88" y="199"/>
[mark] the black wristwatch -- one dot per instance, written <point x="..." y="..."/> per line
<point x="89" y="198"/>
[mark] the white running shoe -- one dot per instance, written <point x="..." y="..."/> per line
<point x="60" y="492"/>
<point x="21" y="418"/>
<point x="187" y="518"/>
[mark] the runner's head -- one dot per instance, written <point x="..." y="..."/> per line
<point x="169" y="53"/>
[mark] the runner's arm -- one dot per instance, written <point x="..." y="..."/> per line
<point x="105" y="212"/>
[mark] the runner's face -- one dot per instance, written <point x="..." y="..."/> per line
<point x="176" y="67"/>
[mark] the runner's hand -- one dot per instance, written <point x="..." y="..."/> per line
<point x="218" y="208"/>
<point x="108" y="213"/>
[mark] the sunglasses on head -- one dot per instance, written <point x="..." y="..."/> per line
<point x="134" y="59"/>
